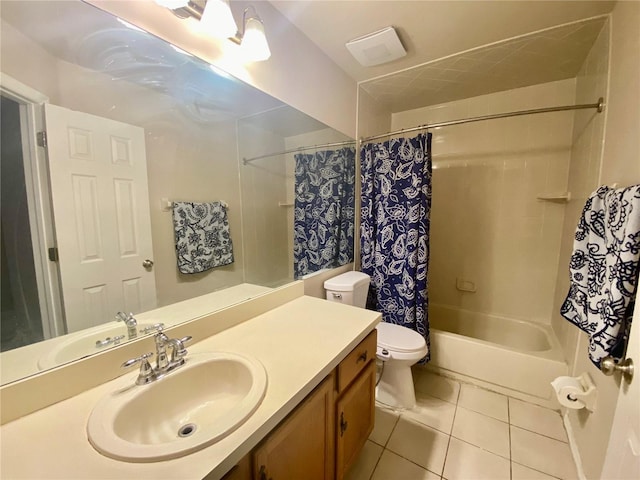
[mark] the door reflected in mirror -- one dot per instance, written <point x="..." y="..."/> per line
<point x="132" y="125"/>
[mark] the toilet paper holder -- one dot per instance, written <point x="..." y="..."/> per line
<point x="584" y="395"/>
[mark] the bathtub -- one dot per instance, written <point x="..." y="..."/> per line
<point x="514" y="357"/>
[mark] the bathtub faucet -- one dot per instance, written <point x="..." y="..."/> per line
<point x="130" y="322"/>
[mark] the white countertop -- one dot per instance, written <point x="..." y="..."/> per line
<point x="299" y="343"/>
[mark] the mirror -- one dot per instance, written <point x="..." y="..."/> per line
<point x="170" y="128"/>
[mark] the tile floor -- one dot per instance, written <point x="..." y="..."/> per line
<point x="459" y="431"/>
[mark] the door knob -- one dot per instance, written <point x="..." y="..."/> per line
<point x="147" y="264"/>
<point x="608" y="366"/>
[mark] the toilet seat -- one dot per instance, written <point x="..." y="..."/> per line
<point x="399" y="339"/>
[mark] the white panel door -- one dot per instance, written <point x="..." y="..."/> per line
<point x="98" y="170"/>
<point x="623" y="454"/>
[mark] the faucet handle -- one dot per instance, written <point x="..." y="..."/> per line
<point x="179" y="352"/>
<point x="156" y="327"/>
<point x="126" y="318"/>
<point x="146" y="370"/>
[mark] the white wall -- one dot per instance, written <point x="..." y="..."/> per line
<point x="487" y="226"/>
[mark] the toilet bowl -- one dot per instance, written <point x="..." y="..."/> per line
<point x="398" y="347"/>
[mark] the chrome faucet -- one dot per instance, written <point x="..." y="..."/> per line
<point x="164" y="365"/>
<point x="130" y="322"/>
<point x="162" y="361"/>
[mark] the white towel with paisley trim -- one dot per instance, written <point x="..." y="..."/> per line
<point x="203" y="239"/>
<point x="604" y="270"/>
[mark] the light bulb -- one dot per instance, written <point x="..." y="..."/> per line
<point x="218" y="20"/>
<point x="254" y="42"/>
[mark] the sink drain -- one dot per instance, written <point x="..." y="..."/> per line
<point x="187" y="430"/>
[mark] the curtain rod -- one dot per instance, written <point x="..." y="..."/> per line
<point x="599" y="106"/>
<point x="246" y="161"/>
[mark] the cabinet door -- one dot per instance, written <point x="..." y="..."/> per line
<point x="302" y="447"/>
<point x="355" y="415"/>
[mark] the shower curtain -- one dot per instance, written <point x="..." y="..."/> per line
<point x="395" y="208"/>
<point x="324" y="210"/>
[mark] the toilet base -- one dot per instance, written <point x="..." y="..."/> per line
<point x="395" y="388"/>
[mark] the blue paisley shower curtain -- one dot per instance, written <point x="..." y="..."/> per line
<point x="396" y="203"/>
<point x="324" y="210"/>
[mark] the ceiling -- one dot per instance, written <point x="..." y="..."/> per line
<point x="541" y="57"/>
<point x="429" y="30"/>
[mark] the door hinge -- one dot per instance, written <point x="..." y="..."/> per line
<point x="53" y="254"/>
<point x="42" y="139"/>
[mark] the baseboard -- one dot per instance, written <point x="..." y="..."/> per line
<point x="573" y="446"/>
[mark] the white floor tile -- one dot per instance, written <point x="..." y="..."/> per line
<point x="537" y="419"/>
<point x="394" y="467"/>
<point x="482" y="431"/>
<point x="520" y="472"/>
<point x="465" y="461"/>
<point x="420" y="444"/>
<point x="485" y="402"/>
<point x="386" y="419"/>
<point x="433" y="412"/>
<point x="435" y="385"/>
<point x="541" y="453"/>
<point x="366" y="463"/>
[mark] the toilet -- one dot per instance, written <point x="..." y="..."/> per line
<point x="398" y="347"/>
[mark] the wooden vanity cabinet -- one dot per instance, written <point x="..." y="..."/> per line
<point x="355" y="403"/>
<point x="323" y="436"/>
<point x="302" y="446"/>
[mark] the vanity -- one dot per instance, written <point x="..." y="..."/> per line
<point x="317" y="410"/>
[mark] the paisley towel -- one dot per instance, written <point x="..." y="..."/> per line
<point x="203" y="240"/>
<point x="604" y="270"/>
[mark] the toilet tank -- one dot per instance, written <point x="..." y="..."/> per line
<point x="349" y="288"/>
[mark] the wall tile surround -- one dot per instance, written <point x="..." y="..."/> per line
<point x="487" y="226"/>
<point x="586" y="158"/>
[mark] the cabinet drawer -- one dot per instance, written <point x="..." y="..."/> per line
<point x="355" y="362"/>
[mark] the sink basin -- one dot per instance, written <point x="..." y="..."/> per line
<point x="78" y="345"/>
<point x="190" y="408"/>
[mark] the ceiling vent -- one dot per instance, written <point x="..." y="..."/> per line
<point x="378" y="47"/>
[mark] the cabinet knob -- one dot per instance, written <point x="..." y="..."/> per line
<point x="262" y="473"/>
<point x="343" y="424"/>
<point x="362" y="357"/>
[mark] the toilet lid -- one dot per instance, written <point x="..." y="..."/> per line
<point x="398" y="338"/>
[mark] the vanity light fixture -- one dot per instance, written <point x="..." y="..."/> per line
<point x="252" y="39"/>
<point x="216" y="18"/>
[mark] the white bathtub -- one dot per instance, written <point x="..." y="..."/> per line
<point x="507" y="355"/>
